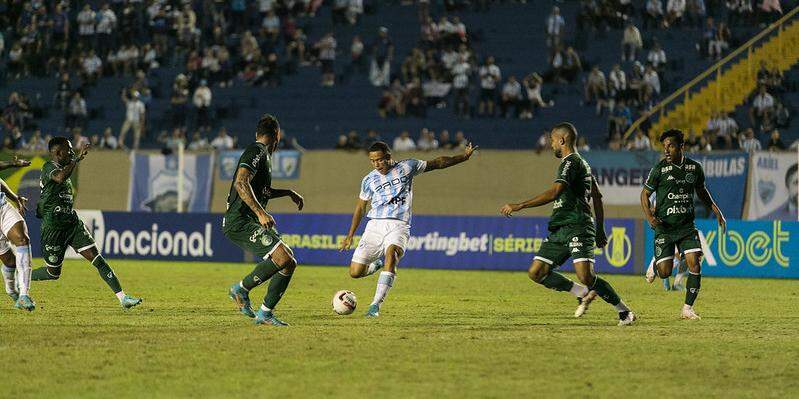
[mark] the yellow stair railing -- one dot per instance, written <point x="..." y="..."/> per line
<point x="731" y="86"/>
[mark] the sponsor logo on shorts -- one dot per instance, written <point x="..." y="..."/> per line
<point x="52" y="259"/>
<point x="256" y="233"/>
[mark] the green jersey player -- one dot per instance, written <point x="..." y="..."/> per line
<point x="573" y="232"/>
<point x="61" y="226"/>
<point x="249" y="226"/>
<point x="674" y="180"/>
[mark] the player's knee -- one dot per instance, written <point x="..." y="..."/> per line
<point x="22" y="241"/>
<point x="356" y="273"/>
<point x="586" y="279"/>
<point x="536" y="274"/>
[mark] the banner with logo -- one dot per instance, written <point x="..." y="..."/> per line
<point x="154" y="182"/>
<point x="285" y="164"/>
<point x="621" y="174"/>
<point x="748" y="249"/>
<point x="774" y="186"/>
<point x="725" y="178"/>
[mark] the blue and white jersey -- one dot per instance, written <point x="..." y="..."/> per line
<point x="391" y="194"/>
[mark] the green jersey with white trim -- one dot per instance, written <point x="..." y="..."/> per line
<point x="572" y="205"/>
<point x="257" y="159"/>
<point x="57" y="199"/>
<point x="674" y="186"/>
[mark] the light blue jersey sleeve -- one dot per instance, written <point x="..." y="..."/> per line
<point x="366" y="190"/>
<point x="417" y="166"/>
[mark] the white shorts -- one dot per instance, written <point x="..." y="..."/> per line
<point x="378" y="236"/>
<point x="9" y="216"/>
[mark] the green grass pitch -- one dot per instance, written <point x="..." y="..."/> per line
<point x="443" y="334"/>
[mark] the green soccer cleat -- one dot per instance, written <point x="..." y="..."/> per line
<point x="267" y="318"/>
<point x="242" y="299"/>
<point x="25" y="302"/>
<point x="374" y="311"/>
<point x="128" y="302"/>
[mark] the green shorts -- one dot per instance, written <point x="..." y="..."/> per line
<point x="56" y="239"/>
<point x="254" y="238"/>
<point x="687" y="241"/>
<point x="576" y="242"/>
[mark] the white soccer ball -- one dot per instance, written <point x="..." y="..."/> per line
<point x="344" y="302"/>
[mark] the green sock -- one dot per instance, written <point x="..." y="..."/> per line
<point x="276" y="289"/>
<point x="558" y="282"/>
<point x="106" y="273"/>
<point x="262" y="272"/>
<point x="604" y="290"/>
<point x="46" y="273"/>
<point x="692" y="288"/>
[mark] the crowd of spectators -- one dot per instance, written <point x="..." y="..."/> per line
<point x="427" y="140"/>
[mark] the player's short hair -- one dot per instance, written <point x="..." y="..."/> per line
<point x="570" y="135"/>
<point x="267" y="126"/>
<point x="380" y="146"/>
<point x="791" y="171"/>
<point x="56" y="142"/>
<point x="676" y="134"/>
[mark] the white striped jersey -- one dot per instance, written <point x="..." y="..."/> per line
<point x="391" y="194"/>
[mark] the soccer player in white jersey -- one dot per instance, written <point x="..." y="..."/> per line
<point x="16" y="267"/>
<point x="389" y="189"/>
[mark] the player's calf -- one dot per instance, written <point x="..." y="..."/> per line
<point x="48" y="272"/>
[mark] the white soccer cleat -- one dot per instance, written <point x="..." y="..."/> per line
<point x="689" y="314"/>
<point x="584" y="303"/>
<point x="374" y="267"/>
<point x="627" y="319"/>
<point x="650" y="273"/>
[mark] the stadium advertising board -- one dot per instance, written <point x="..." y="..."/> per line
<point x="725" y="177"/>
<point x="774" y="187"/>
<point x="621" y="174"/>
<point x="455" y="242"/>
<point x="154" y="182"/>
<point x="748" y="249"/>
<point x="285" y="164"/>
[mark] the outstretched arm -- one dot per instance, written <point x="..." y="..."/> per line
<point x="541" y="199"/>
<point x="14" y="163"/>
<point x="279" y="193"/>
<point x="707" y="199"/>
<point x="446" y="162"/>
<point x="360" y="209"/>
<point x="244" y="189"/>
<point x="599" y="215"/>
<point x="62" y="174"/>
<point x="13" y="197"/>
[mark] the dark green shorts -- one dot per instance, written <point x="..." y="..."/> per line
<point x="56" y="239"/>
<point x="254" y="238"/>
<point x="576" y="242"/>
<point x="687" y="241"/>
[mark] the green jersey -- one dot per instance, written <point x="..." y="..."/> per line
<point x="57" y="199"/>
<point x="674" y="186"/>
<point x="256" y="158"/>
<point x="572" y="205"/>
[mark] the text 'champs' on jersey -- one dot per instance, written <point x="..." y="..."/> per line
<point x="391" y="194"/>
<point x="674" y="186"/>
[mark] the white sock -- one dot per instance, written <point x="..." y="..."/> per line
<point x="265" y="309"/>
<point x="621" y="307"/>
<point x="579" y="290"/>
<point x="384" y="283"/>
<point x="9" y="279"/>
<point x="24" y="268"/>
<point x="120" y="295"/>
<point x="686" y="306"/>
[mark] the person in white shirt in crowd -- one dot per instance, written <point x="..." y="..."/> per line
<point x="106" y="22"/>
<point x="748" y="141"/>
<point x="490" y="76"/>
<point x="532" y="85"/>
<point x="511" y="96"/>
<point x="640" y="142"/>
<point x="657" y="57"/>
<point x="404" y="142"/>
<point x="582" y="144"/>
<point x="596" y="89"/>
<point x="222" y="141"/>
<point x="460" y="85"/>
<point x="134" y="118"/>
<point x="762" y="110"/>
<point x="554" y="25"/>
<point x="727" y="131"/>
<point x="653" y="14"/>
<point x="460" y="140"/>
<point x="630" y="42"/>
<point x="77" y="113"/>
<point x="675" y="9"/>
<point x="108" y="141"/>
<point x="78" y="139"/>
<point x="198" y="142"/>
<point x="36" y="142"/>
<point x="202" y="102"/>
<point x="86" y="20"/>
<point x="92" y="67"/>
<point x="427" y="140"/>
<point x="617" y="86"/>
<point x="652" y="82"/>
<point x="327" y="56"/>
<point x="354" y="11"/>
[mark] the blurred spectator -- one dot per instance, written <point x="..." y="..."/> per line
<point x="617" y="85"/>
<point x="444" y="141"/>
<point x="762" y="109"/>
<point x="616" y="142"/>
<point x="460" y="83"/>
<point x="8" y="144"/>
<point x="775" y="142"/>
<point x="674" y="12"/>
<point x="354" y="141"/>
<point x="202" y="103"/>
<point x="372" y="136"/>
<point x="86" y="20"/>
<point x="404" y="142"/>
<point x="657" y="57"/>
<point x="106" y="23"/>
<point x="511" y="96"/>
<point x="460" y="140"/>
<point x="382" y="56"/>
<point x="198" y="142"/>
<point x="174" y="141"/>
<point x="108" y="141"/>
<point x="92" y="67"/>
<point x="596" y="88"/>
<point x="78" y="139"/>
<point x="640" y="142"/>
<point x="630" y="42"/>
<point x="652" y="83"/>
<point x="327" y="56"/>
<point x="554" y="26"/>
<point x="178" y="101"/>
<point x="63" y="91"/>
<point x="572" y="66"/>
<point x="427" y="140"/>
<point x="582" y="144"/>
<point x="77" y="113"/>
<point x="748" y="141"/>
<point x="134" y="118"/>
<point x="17" y="139"/>
<point x="490" y="76"/>
<point x="696" y="12"/>
<point x="36" y="142"/>
<point x="719" y="42"/>
<point x="701" y="144"/>
<point x="653" y="14"/>
<point x="341" y="143"/>
<point x="222" y="141"/>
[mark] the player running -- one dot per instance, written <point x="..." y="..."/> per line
<point x="674" y="180"/>
<point x="16" y="268"/>
<point x="61" y="226"/>
<point x="389" y="190"/>
<point x="249" y="226"/>
<point x="572" y="229"/>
